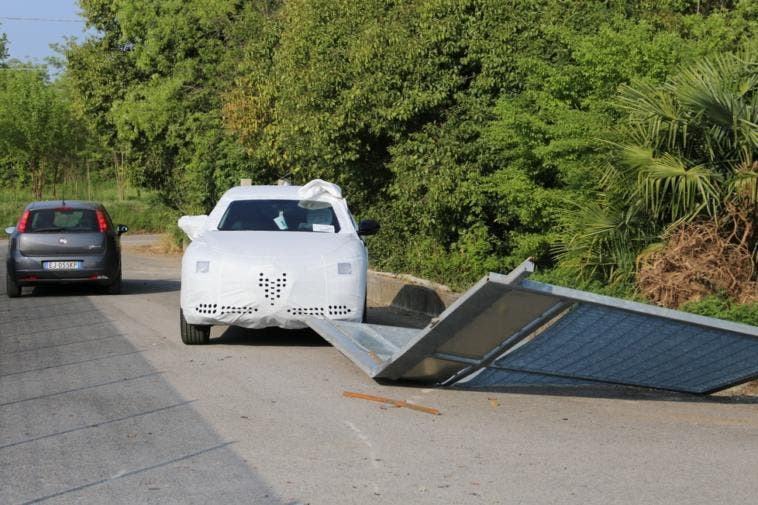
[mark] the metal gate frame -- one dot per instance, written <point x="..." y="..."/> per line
<point x="503" y="320"/>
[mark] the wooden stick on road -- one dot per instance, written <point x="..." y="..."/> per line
<point x="396" y="403"/>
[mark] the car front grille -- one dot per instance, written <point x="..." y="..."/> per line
<point x="205" y="308"/>
<point x="230" y="309"/>
<point x="329" y="310"/>
<point x="272" y="287"/>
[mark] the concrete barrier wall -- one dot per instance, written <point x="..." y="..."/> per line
<point x="407" y="293"/>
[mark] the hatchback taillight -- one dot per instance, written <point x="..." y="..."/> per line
<point x="101" y="221"/>
<point x="22" y="222"/>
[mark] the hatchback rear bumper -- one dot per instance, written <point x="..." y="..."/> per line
<point x="29" y="270"/>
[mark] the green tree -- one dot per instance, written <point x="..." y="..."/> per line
<point x="3" y="47"/>
<point x="153" y="78"/>
<point x="38" y="128"/>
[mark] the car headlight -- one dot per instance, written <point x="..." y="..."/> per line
<point x="202" y="267"/>
<point x="345" y="268"/>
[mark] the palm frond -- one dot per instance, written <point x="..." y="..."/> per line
<point x="654" y="115"/>
<point x="686" y="191"/>
<point x="603" y="238"/>
<point x="643" y="100"/>
<point x="635" y="158"/>
<point x="719" y="91"/>
<point x="745" y="182"/>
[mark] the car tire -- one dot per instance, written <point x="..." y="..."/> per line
<point x="114" y="288"/>
<point x="12" y="289"/>
<point x="193" y="334"/>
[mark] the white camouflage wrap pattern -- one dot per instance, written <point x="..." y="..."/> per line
<point x="257" y="279"/>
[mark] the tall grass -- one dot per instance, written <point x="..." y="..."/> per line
<point x="140" y="210"/>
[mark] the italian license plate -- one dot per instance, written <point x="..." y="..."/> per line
<point x="61" y="265"/>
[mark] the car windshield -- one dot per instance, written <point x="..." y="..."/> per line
<point x="63" y="219"/>
<point x="280" y="215"/>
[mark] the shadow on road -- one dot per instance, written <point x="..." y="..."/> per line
<point x="80" y="384"/>
<point x="147" y="286"/>
<point x="608" y="392"/>
<point x="62" y="290"/>
<point x="234" y="335"/>
<point x="129" y="287"/>
<point x="613" y="393"/>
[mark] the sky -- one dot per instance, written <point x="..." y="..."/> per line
<point x="29" y="39"/>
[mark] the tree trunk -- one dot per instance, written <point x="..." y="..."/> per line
<point x="38" y="178"/>
<point x="55" y="180"/>
<point x="120" y="170"/>
<point x="89" y="183"/>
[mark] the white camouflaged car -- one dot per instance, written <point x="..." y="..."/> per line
<point x="271" y="256"/>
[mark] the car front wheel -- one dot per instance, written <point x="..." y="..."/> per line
<point x="12" y="289"/>
<point x="193" y="334"/>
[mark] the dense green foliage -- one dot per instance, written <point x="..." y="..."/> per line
<point x="688" y="149"/>
<point x="468" y="127"/>
<point x="478" y="132"/>
<point x="722" y="307"/>
<point x="141" y="210"/>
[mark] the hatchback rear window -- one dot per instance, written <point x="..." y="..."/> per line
<point x="60" y="220"/>
<point x="280" y="215"/>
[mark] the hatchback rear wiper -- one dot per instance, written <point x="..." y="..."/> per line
<point x="51" y="229"/>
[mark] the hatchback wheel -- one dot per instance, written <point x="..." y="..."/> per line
<point x="115" y="287"/>
<point x="193" y="334"/>
<point x="12" y="289"/>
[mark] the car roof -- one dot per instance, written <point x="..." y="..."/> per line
<point x="263" y="192"/>
<point x="55" y="204"/>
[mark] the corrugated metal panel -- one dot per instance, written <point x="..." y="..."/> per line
<point x="608" y="344"/>
<point x="508" y="330"/>
<point x="492" y="377"/>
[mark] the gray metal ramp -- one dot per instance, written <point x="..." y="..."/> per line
<point x="370" y="346"/>
<point x="508" y="330"/>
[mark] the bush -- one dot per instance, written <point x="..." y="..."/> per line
<point x="140" y="211"/>
<point x="147" y="215"/>
<point x="721" y="307"/>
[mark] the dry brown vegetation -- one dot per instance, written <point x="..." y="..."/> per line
<point x="700" y="259"/>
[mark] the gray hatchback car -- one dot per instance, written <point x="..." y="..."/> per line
<point x="64" y="242"/>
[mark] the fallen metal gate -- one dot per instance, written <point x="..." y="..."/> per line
<point x="508" y="330"/>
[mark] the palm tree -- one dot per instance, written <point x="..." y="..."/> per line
<point x="689" y="151"/>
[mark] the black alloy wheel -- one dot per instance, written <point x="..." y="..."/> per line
<point x="193" y="334"/>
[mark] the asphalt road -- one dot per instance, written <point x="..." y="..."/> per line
<point x="101" y="403"/>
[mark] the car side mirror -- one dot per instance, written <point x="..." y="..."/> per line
<point x="9" y="230"/>
<point x="121" y="228"/>
<point x="368" y="227"/>
<point x="193" y="226"/>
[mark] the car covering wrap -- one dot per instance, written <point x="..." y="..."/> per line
<point x="257" y="279"/>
